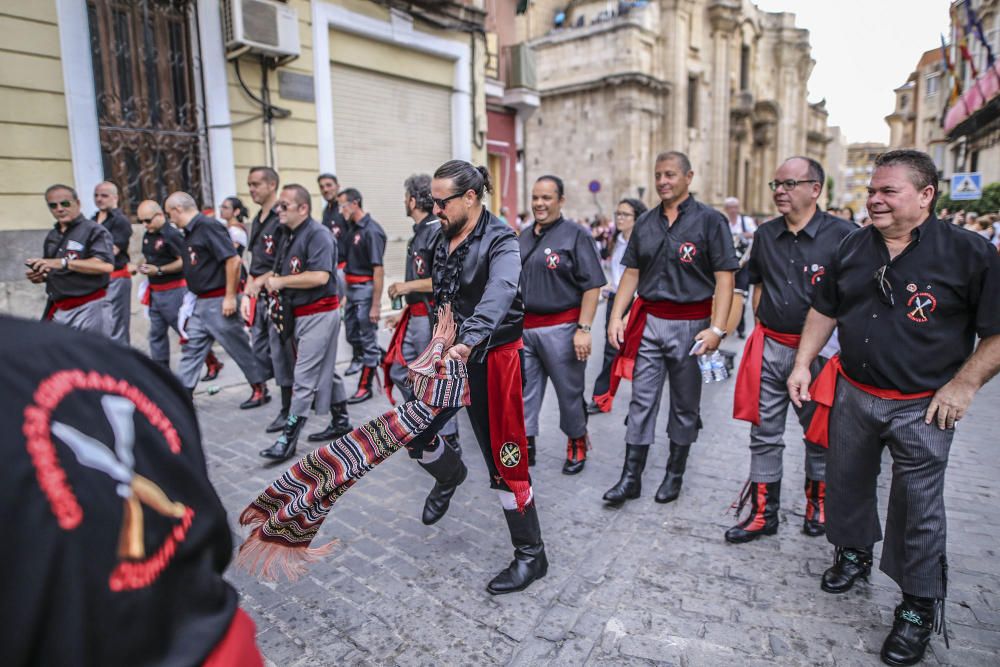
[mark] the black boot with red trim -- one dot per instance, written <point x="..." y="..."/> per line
<point x="258" y="398"/>
<point x="576" y="455"/>
<point x="212" y="367"/>
<point x="364" y="391"/>
<point x="765" y="499"/>
<point x="814" y="524"/>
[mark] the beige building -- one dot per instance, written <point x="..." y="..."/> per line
<point x="372" y="91"/>
<point x="836" y="162"/>
<point x="857" y="175"/>
<point x="916" y="120"/>
<point x="619" y="82"/>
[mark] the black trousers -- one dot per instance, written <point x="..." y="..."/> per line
<point x="603" y="382"/>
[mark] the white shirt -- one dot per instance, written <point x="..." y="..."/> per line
<point x="617" y="270"/>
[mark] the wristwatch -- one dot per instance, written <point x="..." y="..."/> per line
<point x="65" y="262"/>
<point x="721" y="333"/>
<point x="585" y="328"/>
<point x="159" y="271"/>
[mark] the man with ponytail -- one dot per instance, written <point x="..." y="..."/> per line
<point x="477" y="269"/>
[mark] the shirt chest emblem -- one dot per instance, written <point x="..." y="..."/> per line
<point x="920" y="306"/>
<point x="70" y="255"/>
<point x="817" y="272"/>
<point x="268" y="240"/>
<point x="419" y="265"/>
<point x="158" y="245"/>
<point x="73" y="245"/>
<point x="552" y="259"/>
<point x="295" y="265"/>
<point x="687" y="251"/>
<point x="357" y="239"/>
<point x="192" y="255"/>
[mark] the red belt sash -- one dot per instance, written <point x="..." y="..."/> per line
<point x="506" y="408"/>
<point x="238" y="646"/>
<point x="324" y="305"/>
<point x="824" y="390"/>
<point x="341" y="265"/>
<point x="73" y="302"/>
<point x="394" y="355"/>
<point x="355" y="279"/>
<point x="121" y="273"/>
<point x="746" y="395"/>
<point x="536" y="320"/>
<point x="163" y="287"/>
<point x="624" y="363"/>
<point x="211" y="294"/>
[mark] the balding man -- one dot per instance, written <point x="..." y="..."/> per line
<point x="787" y="264"/>
<point x="120" y="288"/>
<point x="212" y="273"/>
<point x="75" y="264"/>
<point x="162" y="250"/>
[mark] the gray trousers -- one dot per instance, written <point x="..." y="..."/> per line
<point x="767" y="444"/>
<point x="418" y="335"/>
<point x="206" y="325"/>
<point x="315" y="358"/>
<point x="915" y="528"/>
<point x="120" y="298"/>
<point x="163" y="310"/>
<point x="93" y="316"/>
<point x="282" y="355"/>
<point x="549" y="355"/>
<point x="260" y="340"/>
<point x="361" y="331"/>
<point x="663" y="353"/>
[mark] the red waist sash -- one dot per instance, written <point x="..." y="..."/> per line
<point x="746" y="394"/>
<point x="323" y="305"/>
<point x="238" y="646"/>
<point x="75" y="301"/>
<point x="624" y="363"/>
<point x="506" y="408"/>
<point x="394" y="355"/>
<point x="173" y="284"/>
<point x="121" y="273"/>
<point x="211" y="294"/>
<point x="536" y="320"/>
<point x="824" y="390"/>
<point x="341" y="265"/>
<point x="355" y="279"/>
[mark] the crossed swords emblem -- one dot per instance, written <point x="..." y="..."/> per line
<point x="510" y="455"/>
<point x="918" y="311"/>
<point x="418" y="265"/>
<point x="268" y="244"/>
<point x="552" y="261"/>
<point x="687" y="252"/>
<point x="295" y="264"/>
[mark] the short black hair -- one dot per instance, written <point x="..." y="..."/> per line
<point x="554" y="179"/>
<point x="327" y="174"/>
<point x="352" y="195"/>
<point x="302" y="196"/>
<point x="681" y="158"/>
<point x="60" y="186"/>
<point x="269" y="174"/>
<point x="923" y="171"/>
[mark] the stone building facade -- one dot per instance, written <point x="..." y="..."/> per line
<point x="916" y="120"/>
<point x="720" y="80"/>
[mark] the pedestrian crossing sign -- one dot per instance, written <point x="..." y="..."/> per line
<point x="966" y="186"/>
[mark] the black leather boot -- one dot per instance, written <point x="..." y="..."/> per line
<point x="630" y="484"/>
<point x="354" y="367"/>
<point x="339" y="426"/>
<point x="212" y="367"/>
<point x="850" y="564"/>
<point x="284" y="446"/>
<point x="670" y="487"/>
<point x="911" y="631"/>
<point x="530" y="562"/>
<point x="364" y="391"/>
<point x="531" y="450"/>
<point x="286" y="406"/>
<point x="576" y="455"/>
<point x="453" y="442"/>
<point x="259" y="397"/>
<point x="449" y="471"/>
<point x="765" y="499"/>
<point x="814" y="524"/>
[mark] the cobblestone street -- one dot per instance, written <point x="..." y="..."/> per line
<point x="643" y="584"/>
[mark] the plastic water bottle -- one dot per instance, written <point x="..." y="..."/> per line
<point x="706" y="368"/>
<point x="718" y="366"/>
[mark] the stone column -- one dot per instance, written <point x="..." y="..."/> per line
<point x="724" y="15"/>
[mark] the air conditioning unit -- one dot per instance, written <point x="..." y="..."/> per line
<point x="262" y="27"/>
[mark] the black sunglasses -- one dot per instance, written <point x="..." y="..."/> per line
<point x="789" y="184"/>
<point x="441" y="203"/>
<point x="884" y="286"/>
<point x="53" y="205"/>
<point x="146" y="221"/>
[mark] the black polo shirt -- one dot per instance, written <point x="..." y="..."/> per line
<point x="678" y="262"/>
<point x="364" y="247"/>
<point x="946" y="291"/>
<point x="82" y="239"/>
<point x="480" y="278"/>
<point x="120" y="227"/>
<point x="207" y="247"/>
<point x="334" y="221"/>
<point x="160" y="248"/>
<point x="309" y="247"/>
<point x="263" y="242"/>
<point x="791" y="266"/>
<point x="558" y="265"/>
<point x="420" y="255"/>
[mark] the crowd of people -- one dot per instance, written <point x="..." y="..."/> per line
<point x="524" y="306"/>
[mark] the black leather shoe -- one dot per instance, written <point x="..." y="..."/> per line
<point x="911" y="631"/>
<point x="593" y="408"/>
<point x="278" y="424"/>
<point x="765" y="499"/>
<point x="850" y="564"/>
<point x="449" y="472"/>
<point x="259" y="397"/>
<point x="629" y="486"/>
<point x="670" y="487"/>
<point x="814" y="524"/>
<point x="339" y="426"/>
<point x="364" y="391"/>
<point x="354" y="367"/>
<point x="531" y="451"/>
<point x="284" y="446"/>
<point x="530" y="562"/>
<point x="576" y="455"/>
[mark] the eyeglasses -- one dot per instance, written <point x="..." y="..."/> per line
<point x="622" y="214"/>
<point x="146" y="221"/>
<point x="789" y="183"/>
<point x="53" y="205"/>
<point x="884" y="286"/>
<point x="441" y="203"/>
<point x="283" y="206"/>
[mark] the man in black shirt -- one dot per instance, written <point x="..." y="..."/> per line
<point x="788" y="262"/>
<point x="212" y="273"/>
<point x="162" y="250"/>
<point x="680" y="258"/>
<point x="120" y="285"/>
<point x="561" y="279"/>
<point x="363" y="250"/>
<point x="908" y="294"/>
<point x="75" y="264"/>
